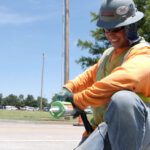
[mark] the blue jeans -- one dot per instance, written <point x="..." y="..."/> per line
<point x="128" y="122"/>
<point x="126" y="126"/>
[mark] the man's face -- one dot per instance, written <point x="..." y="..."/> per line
<point x="117" y="37"/>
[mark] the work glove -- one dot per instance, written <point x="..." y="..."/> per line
<point x="67" y="96"/>
<point x="63" y="95"/>
<point x="76" y="111"/>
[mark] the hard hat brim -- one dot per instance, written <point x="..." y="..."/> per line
<point x="119" y="23"/>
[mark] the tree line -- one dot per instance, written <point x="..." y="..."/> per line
<point x="21" y="101"/>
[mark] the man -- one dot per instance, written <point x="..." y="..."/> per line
<point x="118" y="86"/>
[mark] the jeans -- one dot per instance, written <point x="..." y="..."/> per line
<point x="128" y="122"/>
<point x="126" y="127"/>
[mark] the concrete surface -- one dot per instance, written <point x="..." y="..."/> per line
<point x="16" y="135"/>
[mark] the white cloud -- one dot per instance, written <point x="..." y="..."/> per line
<point x="14" y="18"/>
<point x="11" y="15"/>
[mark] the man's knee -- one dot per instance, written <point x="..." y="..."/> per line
<point x="123" y="99"/>
<point x="124" y="103"/>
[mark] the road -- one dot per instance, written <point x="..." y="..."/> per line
<point x="17" y="135"/>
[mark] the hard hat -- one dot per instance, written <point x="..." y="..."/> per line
<point x="117" y="13"/>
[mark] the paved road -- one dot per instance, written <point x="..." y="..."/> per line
<point x="36" y="136"/>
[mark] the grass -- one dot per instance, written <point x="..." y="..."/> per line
<point x="27" y="115"/>
<point x="33" y="116"/>
<point x="24" y="115"/>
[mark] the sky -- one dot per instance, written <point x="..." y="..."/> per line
<point x="29" y="28"/>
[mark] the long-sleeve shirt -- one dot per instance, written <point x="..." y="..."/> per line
<point x="133" y="74"/>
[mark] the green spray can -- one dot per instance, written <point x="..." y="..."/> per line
<point x="61" y="109"/>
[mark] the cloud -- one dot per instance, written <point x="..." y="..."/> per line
<point x="16" y="15"/>
<point x="14" y="18"/>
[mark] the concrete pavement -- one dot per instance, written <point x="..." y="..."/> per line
<point x="16" y="135"/>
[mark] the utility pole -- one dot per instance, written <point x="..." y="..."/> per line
<point x="42" y="81"/>
<point x="66" y="41"/>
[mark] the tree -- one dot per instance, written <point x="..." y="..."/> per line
<point x="21" y="97"/>
<point x="29" y="100"/>
<point x="144" y="30"/>
<point x="11" y="100"/>
<point x="20" y="101"/>
<point x="44" y="101"/>
<point x="1" y="99"/>
<point x="96" y="48"/>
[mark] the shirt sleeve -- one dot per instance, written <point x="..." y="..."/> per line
<point x="84" y="80"/>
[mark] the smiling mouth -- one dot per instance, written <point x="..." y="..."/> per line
<point x="114" y="40"/>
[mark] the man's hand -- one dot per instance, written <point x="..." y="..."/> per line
<point x="77" y="111"/>
<point x="63" y="95"/>
<point x="66" y="95"/>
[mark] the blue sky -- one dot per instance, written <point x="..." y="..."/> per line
<point x="29" y="28"/>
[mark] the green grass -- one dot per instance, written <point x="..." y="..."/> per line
<point x="26" y="115"/>
<point x="32" y="116"/>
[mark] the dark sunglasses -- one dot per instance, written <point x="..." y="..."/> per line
<point x="113" y="29"/>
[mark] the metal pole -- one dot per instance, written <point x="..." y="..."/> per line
<point x="42" y="81"/>
<point x="66" y="38"/>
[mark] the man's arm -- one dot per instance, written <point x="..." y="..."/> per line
<point x="84" y="80"/>
<point x="133" y="74"/>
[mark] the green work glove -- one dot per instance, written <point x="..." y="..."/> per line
<point x="63" y="95"/>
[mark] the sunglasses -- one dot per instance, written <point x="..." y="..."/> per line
<point x="113" y="29"/>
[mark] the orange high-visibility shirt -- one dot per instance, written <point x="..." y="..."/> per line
<point x="133" y="74"/>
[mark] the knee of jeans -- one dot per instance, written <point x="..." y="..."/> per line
<point x="125" y="103"/>
<point x="123" y="100"/>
